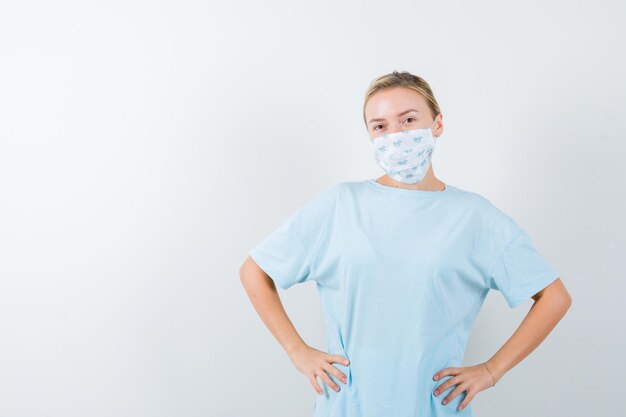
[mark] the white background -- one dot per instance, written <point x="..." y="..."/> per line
<point x="146" y="147"/>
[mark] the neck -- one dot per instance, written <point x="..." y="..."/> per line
<point x="428" y="183"/>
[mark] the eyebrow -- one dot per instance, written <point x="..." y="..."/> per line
<point x="399" y="114"/>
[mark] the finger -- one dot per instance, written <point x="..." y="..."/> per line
<point x="338" y="359"/>
<point x="443" y="387"/>
<point x="336" y="372"/>
<point x="446" y="372"/>
<point x="466" y="400"/>
<point x="315" y="385"/>
<point x="328" y="381"/>
<point x="459" y="389"/>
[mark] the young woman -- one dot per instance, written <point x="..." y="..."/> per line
<point x="402" y="265"/>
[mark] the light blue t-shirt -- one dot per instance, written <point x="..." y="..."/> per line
<point x="401" y="275"/>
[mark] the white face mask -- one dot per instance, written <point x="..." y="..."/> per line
<point x="405" y="155"/>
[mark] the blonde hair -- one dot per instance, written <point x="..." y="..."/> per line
<point x="403" y="79"/>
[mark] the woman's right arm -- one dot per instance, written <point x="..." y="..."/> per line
<point x="264" y="297"/>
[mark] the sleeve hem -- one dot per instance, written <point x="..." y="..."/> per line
<point x="260" y="261"/>
<point x="550" y="277"/>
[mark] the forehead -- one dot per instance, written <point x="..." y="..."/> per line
<point x="387" y="103"/>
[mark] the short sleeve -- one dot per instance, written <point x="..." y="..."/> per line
<point x="520" y="271"/>
<point x="290" y="253"/>
<point x="283" y="255"/>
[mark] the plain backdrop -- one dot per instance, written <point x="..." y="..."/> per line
<point x="147" y="146"/>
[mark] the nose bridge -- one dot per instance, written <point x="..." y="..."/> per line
<point x="394" y="127"/>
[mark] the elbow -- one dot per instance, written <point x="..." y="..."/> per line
<point x="566" y="298"/>
<point x="563" y="303"/>
<point x="244" y="271"/>
<point x="568" y="301"/>
<point x="249" y="268"/>
<point x="559" y="303"/>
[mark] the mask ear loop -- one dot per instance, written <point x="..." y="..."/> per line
<point x="431" y="126"/>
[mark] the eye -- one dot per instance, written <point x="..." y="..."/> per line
<point x="410" y="118"/>
<point x="376" y="126"/>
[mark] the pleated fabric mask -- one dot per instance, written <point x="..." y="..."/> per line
<point x="405" y="155"/>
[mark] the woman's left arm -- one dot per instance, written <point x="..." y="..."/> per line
<point x="549" y="307"/>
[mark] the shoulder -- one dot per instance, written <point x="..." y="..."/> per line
<point x="482" y="204"/>
<point x="326" y="198"/>
<point x="331" y="195"/>
<point x="320" y="208"/>
<point x="492" y="220"/>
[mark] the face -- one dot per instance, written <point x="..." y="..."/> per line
<point x="394" y="109"/>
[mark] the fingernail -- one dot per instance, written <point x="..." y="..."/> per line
<point x="444" y="402"/>
<point x="346" y="362"/>
<point x="436" y="392"/>
<point x="436" y="377"/>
